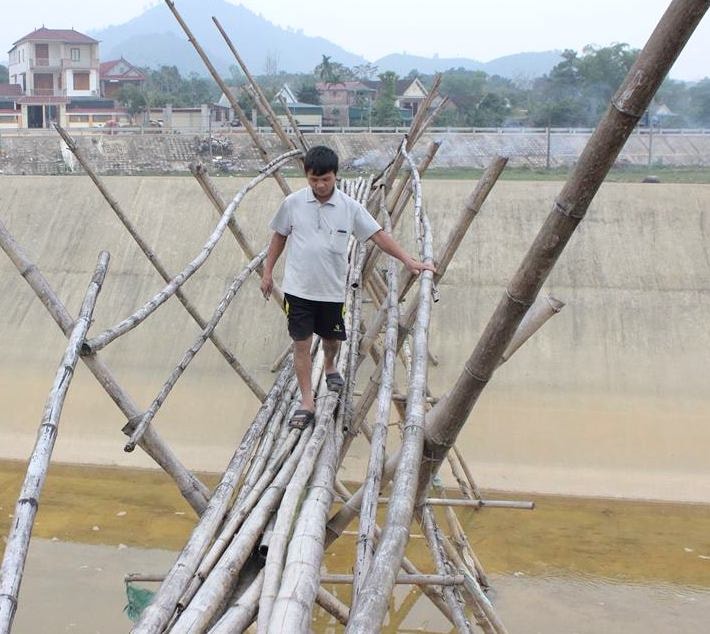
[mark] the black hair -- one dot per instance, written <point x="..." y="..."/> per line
<point x="320" y="160"/>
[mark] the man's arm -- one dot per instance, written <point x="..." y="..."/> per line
<point x="276" y="247"/>
<point x="388" y="244"/>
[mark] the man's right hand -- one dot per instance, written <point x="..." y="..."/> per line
<point x="267" y="285"/>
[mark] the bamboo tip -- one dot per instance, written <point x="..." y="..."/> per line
<point x="85" y="349"/>
<point x="556" y="304"/>
<point x="129" y="446"/>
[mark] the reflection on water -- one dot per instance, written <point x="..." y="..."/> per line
<point x="571" y="565"/>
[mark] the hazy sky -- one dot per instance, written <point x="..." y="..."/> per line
<point x="373" y="28"/>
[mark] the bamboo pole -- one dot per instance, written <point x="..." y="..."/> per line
<point x="243" y="119"/>
<point x="18" y="540"/>
<point x="191" y="353"/>
<point x="294" y="125"/>
<point x="273" y="569"/>
<point x="494" y="504"/>
<point x="366" y="532"/>
<point x="242" y="613"/>
<point x="475" y="491"/>
<point x="194" y="491"/>
<point x="431" y="532"/>
<point x="627" y="106"/>
<point x="160" y="611"/>
<point x="157" y="264"/>
<point x="443" y="580"/>
<point x="107" y="336"/>
<point x="203" y="178"/>
<point x="334" y="606"/>
<point x="260" y="97"/>
<point x="369" y="612"/>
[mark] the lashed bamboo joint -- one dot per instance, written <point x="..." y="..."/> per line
<point x="256" y="552"/>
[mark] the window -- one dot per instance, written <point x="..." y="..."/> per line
<point x="75" y="54"/>
<point x="81" y="81"/>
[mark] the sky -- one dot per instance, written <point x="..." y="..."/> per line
<point x="476" y="29"/>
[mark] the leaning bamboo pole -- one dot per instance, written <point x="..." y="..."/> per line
<point x="294" y="125"/>
<point x="191" y="352"/>
<point x="230" y="357"/>
<point x="630" y="102"/>
<point x="194" y="491"/>
<point x="369" y="612"/>
<point x="18" y="540"/>
<point x="129" y="323"/>
<point x="243" y="119"/>
<point x="260" y="97"/>
<point x="160" y="611"/>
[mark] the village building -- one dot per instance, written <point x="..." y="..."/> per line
<point x="117" y="74"/>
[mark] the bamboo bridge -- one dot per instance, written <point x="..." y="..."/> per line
<point x="257" y="550"/>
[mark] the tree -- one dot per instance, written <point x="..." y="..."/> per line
<point x="365" y="71"/>
<point x="4" y="75"/>
<point x="308" y="93"/>
<point x="699" y="106"/>
<point x="385" y="111"/>
<point x="133" y="99"/>
<point x="330" y="72"/>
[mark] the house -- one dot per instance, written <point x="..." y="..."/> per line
<point x="52" y="68"/>
<point x="10" y="111"/>
<point x="337" y="100"/>
<point x="409" y="94"/>
<point x="116" y="74"/>
<point x="306" y="115"/>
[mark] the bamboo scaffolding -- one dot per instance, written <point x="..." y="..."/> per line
<point x="243" y="119"/>
<point x="366" y="532"/>
<point x="433" y="537"/>
<point x="158" y="265"/>
<point x="18" y="540"/>
<point x="569" y="209"/>
<point x="110" y="334"/>
<point x="160" y="611"/>
<point x="191" y="352"/>
<point x="369" y="611"/>
<point x="194" y="491"/>
<point x="260" y="98"/>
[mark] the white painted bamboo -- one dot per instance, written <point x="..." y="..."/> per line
<point x="431" y="532"/>
<point x="242" y="613"/>
<point x="366" y="531"/>
<point x="108" y="335"/>
<point x="18" y="540"/>
<point x="192" y="351"/>
<point x="229" y="356"/>
<point x="370" y="610"/>
<point x="160" y="611"/>
<point x="203" y="178"/>
<point x="194" y="491"/>
<point x="214" y="592"/>
<point x="287" y="513"/>
<point x="233" y="102"/>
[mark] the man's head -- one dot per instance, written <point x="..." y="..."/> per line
<point x="321" y="167"/>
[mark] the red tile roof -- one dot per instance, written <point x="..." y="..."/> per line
<point x="10" y="90"/>
<point x="106" y="68"/>
<point x="68" y="36"/>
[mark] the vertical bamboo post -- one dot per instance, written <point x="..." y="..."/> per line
<point x="18" y="541"/>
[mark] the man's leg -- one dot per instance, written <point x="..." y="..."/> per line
<point x="330" y="351"/>
<point x="302" y="365"/>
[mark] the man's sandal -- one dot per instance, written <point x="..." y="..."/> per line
<point x="334" y="381"/>
<point x="301" y="419"/>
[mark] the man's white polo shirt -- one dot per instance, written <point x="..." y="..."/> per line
<point x="318" y="236"/>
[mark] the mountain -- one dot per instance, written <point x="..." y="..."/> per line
<point x="512" y="66"/>
<point x="155" y="38"/>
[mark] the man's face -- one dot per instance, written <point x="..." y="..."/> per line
<point x="322" y="185"/>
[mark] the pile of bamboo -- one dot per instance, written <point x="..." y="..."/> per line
<point x="256" y="553"/>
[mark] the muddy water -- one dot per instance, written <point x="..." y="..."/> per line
<point x="571" y="565"/>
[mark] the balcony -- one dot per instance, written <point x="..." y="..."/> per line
<point x="83" y="64"/>
<point x="45" y="62"/>
<point x="46" y="92"/>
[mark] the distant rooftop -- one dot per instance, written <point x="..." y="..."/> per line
<point x="68" y="36"/>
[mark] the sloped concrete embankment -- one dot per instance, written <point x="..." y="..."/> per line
<point x="611" y="398"/>
<point x="129" y="154"/>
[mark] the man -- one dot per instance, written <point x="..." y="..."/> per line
<point x="317" y="222"/>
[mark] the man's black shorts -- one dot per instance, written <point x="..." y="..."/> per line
<point x="306" y="317"/>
